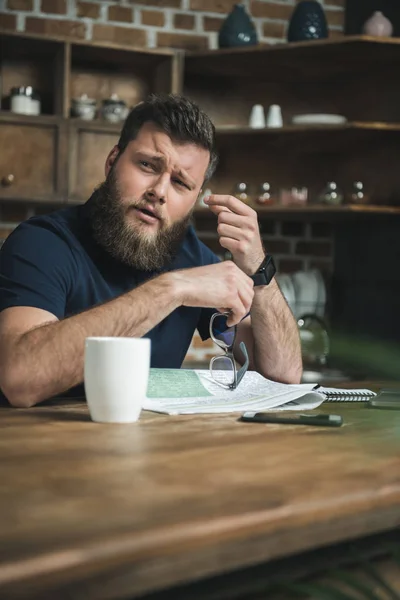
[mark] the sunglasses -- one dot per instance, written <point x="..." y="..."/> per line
<point x="223" y="368"/>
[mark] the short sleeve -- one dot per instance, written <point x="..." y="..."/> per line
<point x="36" y="269"/>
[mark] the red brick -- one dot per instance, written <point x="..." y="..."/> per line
<point x="122" y="36"/>
<point x="123" y="14"/>
<point x="8" y="21"/>
<point x="271" y="10"/>
<point x="323" y="265"/>
<point x="179" y="40"/>
<point x="212" y="23"/>
<point x="160" y="3"/>
<point x="335" y="3"/>
<point x="335" y="17"/>
<point x="321" y="230"/>
<point x="24" y="5"/>
<point x="274" y="30"/>
<point x="88" y="10"/>
<point x="220" y="6"/>
<point x="155" y="18"/>
<point x="290" y="265"/>
<point x="277" y="246"/>
<point x="54" y="28"/>
<point x="55" y="7"/>
<point x="183" y="21"/>
<point x="314" y="248"/>
<point x="293" y="228"/>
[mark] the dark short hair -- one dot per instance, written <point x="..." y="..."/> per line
<point x="178" y="117"/>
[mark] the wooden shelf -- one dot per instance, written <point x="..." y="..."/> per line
<point x="298" y="61"/>
<point x="316" y="210"/>
<point x="227" y="130"/>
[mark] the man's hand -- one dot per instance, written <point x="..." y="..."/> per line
<point x="238" y="231"/>
<point x="222" y="286"/>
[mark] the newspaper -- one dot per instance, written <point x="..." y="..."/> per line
<point x="184" y="391"/>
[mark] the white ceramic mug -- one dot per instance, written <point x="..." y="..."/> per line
<point x="274" y="117"/>
<point x="257" y="117"/>
<point x="116" y="375"/>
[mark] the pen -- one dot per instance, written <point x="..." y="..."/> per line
<point x="270" y="417"/>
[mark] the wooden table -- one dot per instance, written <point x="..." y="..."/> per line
<point x="113" y="511"/>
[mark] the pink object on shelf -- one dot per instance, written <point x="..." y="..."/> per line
<point x="378" y="25"/>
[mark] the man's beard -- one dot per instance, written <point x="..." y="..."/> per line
<point x="128" y="244"/>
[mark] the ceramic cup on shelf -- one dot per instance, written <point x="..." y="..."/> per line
<point x="257" y="117"/>
<point x="113" y="109"/>
<point x="274" y="116"/>
<point x="83" y="107"/>
<point x="116" y="374"/>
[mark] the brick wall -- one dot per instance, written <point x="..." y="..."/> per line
<point x="188" y="24"/>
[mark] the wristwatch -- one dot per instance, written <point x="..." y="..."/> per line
<point x="265" y="271"/>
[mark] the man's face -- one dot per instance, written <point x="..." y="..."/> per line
<point x="142" y="210"/>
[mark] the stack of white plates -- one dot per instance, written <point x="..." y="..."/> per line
<point x="305" y="292"/>
<point x="318" y="119"/>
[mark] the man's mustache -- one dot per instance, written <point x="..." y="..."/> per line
<point x="149" y="206"/>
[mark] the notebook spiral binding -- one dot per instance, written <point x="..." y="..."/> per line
<point x="347" y="396"/>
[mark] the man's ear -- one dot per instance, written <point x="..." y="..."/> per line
<point x="111" y="159"/>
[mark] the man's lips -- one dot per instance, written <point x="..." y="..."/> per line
<point x="147" y="214"/>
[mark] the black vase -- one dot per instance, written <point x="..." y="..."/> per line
<point x="308" y="22"/>
<point x="237" y="29"/>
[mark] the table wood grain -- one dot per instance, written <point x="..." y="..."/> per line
<point x="105" y="511"/>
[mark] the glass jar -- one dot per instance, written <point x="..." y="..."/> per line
<point x="358" y="195"/>
<point x="241" y="192"/>
<point x="331" y="194"/>
<point x="265" y="196"/>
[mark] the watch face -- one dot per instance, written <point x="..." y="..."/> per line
<point x="266" y="271"/>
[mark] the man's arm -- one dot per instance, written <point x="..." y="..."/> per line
<point x="41" y="356"/>
<point x="271" y="335"/>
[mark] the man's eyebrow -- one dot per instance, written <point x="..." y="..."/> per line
<point x="159" y="158"/>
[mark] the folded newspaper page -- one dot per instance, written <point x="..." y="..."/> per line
<point x="184" y="391"/>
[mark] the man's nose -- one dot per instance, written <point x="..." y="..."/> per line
<point x="158" y="191"/>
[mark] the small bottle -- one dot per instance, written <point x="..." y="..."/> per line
<point x="358" y="195"/>
<point x="265" y="196"/>
<point x="331" y="194"/>
<point x="241" y="192"/>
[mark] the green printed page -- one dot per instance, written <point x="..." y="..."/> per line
<point x="175" y="383"/>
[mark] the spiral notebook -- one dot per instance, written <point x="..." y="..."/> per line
<point x="341" y="395"/>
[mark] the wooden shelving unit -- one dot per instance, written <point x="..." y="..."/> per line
<point x="352" y="76"/>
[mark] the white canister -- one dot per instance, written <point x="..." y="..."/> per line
<point x="25" y="100"/>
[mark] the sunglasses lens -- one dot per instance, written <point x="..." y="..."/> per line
<point x="222" y="332"/>
<point x="223" y="370"/>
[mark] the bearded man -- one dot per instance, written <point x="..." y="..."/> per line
<point x="129" y="263"/>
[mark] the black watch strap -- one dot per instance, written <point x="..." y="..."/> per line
<point x="265" y="272"/>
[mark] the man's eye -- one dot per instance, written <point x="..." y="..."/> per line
<point x="146" y="164"/>
<point x="181" y="183"/>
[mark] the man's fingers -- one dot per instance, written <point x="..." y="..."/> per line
<point x="230" y="202"/>
<point x="230" y="232"/>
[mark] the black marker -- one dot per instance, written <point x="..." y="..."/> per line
<point x="270" y="417"/>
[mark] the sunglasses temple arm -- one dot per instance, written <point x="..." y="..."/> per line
<point x="245" y="365"/>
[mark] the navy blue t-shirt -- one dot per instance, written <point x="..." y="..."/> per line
<point x="52" y="262"/>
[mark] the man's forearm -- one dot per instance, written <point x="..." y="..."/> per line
<point x="49" y="359"/>
<point x="277" y="351"/>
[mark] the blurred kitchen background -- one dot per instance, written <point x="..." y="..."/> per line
<point x="306" y="99"/>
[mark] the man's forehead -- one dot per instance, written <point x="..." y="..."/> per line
<point x="158" y="144"/>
